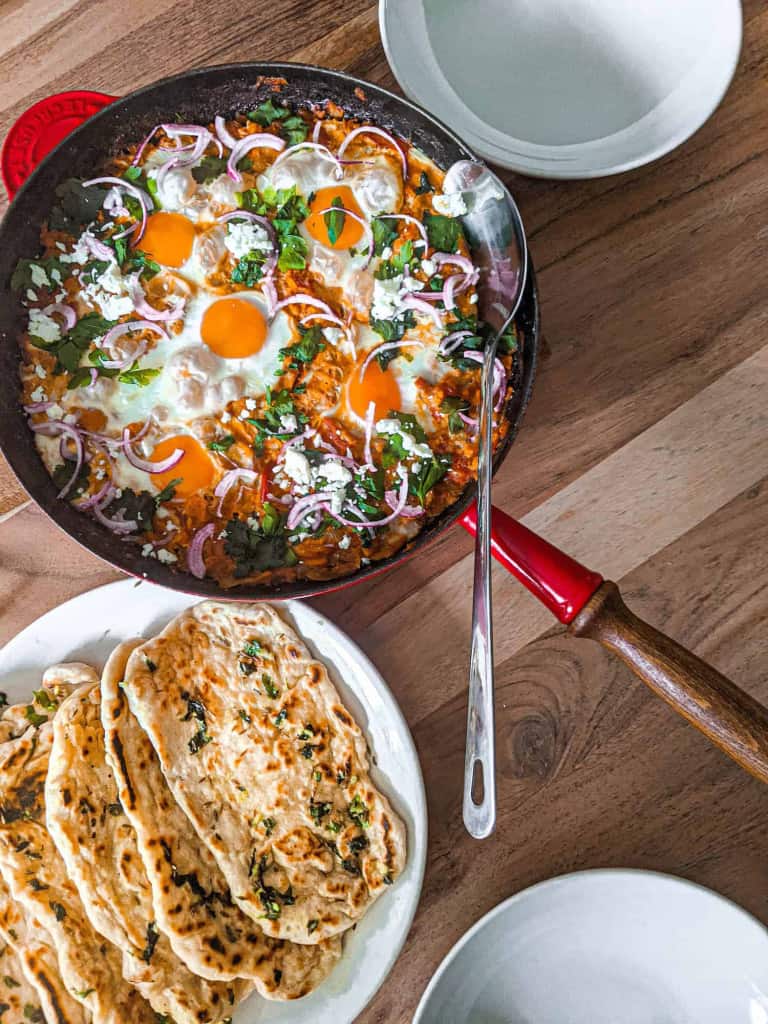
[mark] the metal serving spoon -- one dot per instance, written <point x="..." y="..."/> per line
<point x="495" y="233"/>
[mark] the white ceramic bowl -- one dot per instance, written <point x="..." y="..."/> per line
<point x="565" y="88"/>
<point x="606" y="947"/>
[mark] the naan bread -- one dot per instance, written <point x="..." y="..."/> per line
<point x="41" y="995"/>
<point x="269" y="767"/>
<point x="94" y="837"/>
<point x="90" y="966"/>
<point x="19" y="1000"/>
<point x="191" y="901"/>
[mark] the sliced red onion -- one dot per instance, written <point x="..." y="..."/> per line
<point x="195" y="560"/>
<point x="94" y="376"/>
<point x="202" y="136"/>
<point x="303" y="505"/>
<point x="270" y="294"/>
<point x="411" y="301"/>
<point x="302" y="298"/>
<point x="223" y="132"/>
<point x="37" y="407"/>
<point x="370" y="130"/>
<point x="116" y="525"/>
<point x="56" y="427"/>
<point x="448" y="290"/>
<point x="409" y="511"/>
<point x="98" y="249"/>
<point x="324" y="152"/>
<point x="336" y="321"/>
<point x="316" y="131"/>
<point x="145" y="201"/>
<point x="452" y="341"/>
<point x="103" y="494"/>
<point x="470" y="422"/>
<point x="229" y="479"/>
<point x="464" y="262"/>
<point x="370" y="416"/>
<point x="145" y="464"/>
<point x="142" y="307"/>
<point x="499" y="374"/>
<point x="360" y="220"/>
<point x="113" y="204"/>
<point x="388" y="346"/>
<point x="66" y="312"/>
<point x="410" y="220"/>
<point x="245" y="145"/>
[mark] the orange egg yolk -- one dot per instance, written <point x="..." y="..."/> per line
<point x="377" y="386"/>
<point x="317" y="223"/>
<point x="233" y="328"/>
<point x="168" y="238"/>
<point x="194" y="470"/>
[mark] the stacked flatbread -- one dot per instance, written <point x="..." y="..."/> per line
<point x="196" y="824"/>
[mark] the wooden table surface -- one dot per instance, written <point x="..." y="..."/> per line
<point x="644" y="453"/>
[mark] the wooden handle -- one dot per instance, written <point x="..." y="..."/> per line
<point x="732" y="719"/>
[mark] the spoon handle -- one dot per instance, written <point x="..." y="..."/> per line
<point x="479" y="764"/>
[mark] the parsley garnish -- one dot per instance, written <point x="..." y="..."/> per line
<point x="45" y="700"/>
<point x="384" y="233"/>
<point x="32" y="716"/>
<point x="222" y="444"/>
<point x="256" y="548"/>
<point x="168" y="491"/>
<point x="269" y="687"/>
<point x="210" y="167"/>
<point x="431" y="473"/>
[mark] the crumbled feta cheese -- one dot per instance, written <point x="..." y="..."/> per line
<point x="253" y="522"/>
<point x="225" y="417"/>
<point x="289" y="423"/>
<point x="108" y="292"/>
<point x="243" y="237"/>
<point x="223" y="190"/>
<point x="429" y="267"/>
<point x="416" y="448"/>
<point x="43" y="327"/>
<point x="334" y="472"/>
<point x="61" y="246"/>
<point x="250" y="404"/>
<point x="386" y="252"/>
<point x="166" y="557"/>
<point x="32" y="296"/>
<point x="386" y="298"/>
<point x="55" y="276"/>
<point x="39" y="276"/>
<point x="40" y="371"/>
<point x="147" y="550"/>
<point x="38" y="395"/>
<point x="55" y="412"/>
<point x="473" y="298"/>
<point x="450" y="205"/>
<point x="345" y="541"/>
<point x="296" y="466"/>
<point x="81" y="252"/>
<point x="333" y="334"/>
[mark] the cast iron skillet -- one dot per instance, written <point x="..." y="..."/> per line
<point x="197" y="96"/>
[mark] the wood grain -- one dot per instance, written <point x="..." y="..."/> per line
<point x="644" y="453"/>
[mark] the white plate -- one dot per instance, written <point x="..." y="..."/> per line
<point x="606" y="947"/>
<point x="565" y="88"/>
<point x="88" y="627"/>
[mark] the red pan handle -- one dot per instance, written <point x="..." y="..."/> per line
<point x="559" y="582"/>
<point x="592" y="607"/>
<point x="34" y="134"/>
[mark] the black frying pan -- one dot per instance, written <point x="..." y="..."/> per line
<point x="197" y="96"/>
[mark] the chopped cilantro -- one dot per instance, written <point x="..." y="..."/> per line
<point x="358" y="812"/>
<point x="452" y="406"/>
<point x="152" y="936"/>
<point x="62" y="475"/>
<point x="222" y="444"/>
<point x="133" y="506"/>
<point x="168" y="491"/>
<point x="312" y="925"/>
<point x="304" y="351"/>
<point x="280" y="717"/>
<point x="21" y="279"/>
<point x="318" y="810"/>
<point x="393" y="330"/>
<point x="384" y="233"/>
<point x="46" y="701"/>
<point x="432" y="472"/>
<point x="257" y="548"/>
<point x="32" y="716"/>
<point x="443" y="232"/>
<point x="59" y="911"/>
<point x="269" y="825"/>
<point x="196" y="711"/>
<point x="269" y="687"/>
<point x="252" y="649"/>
